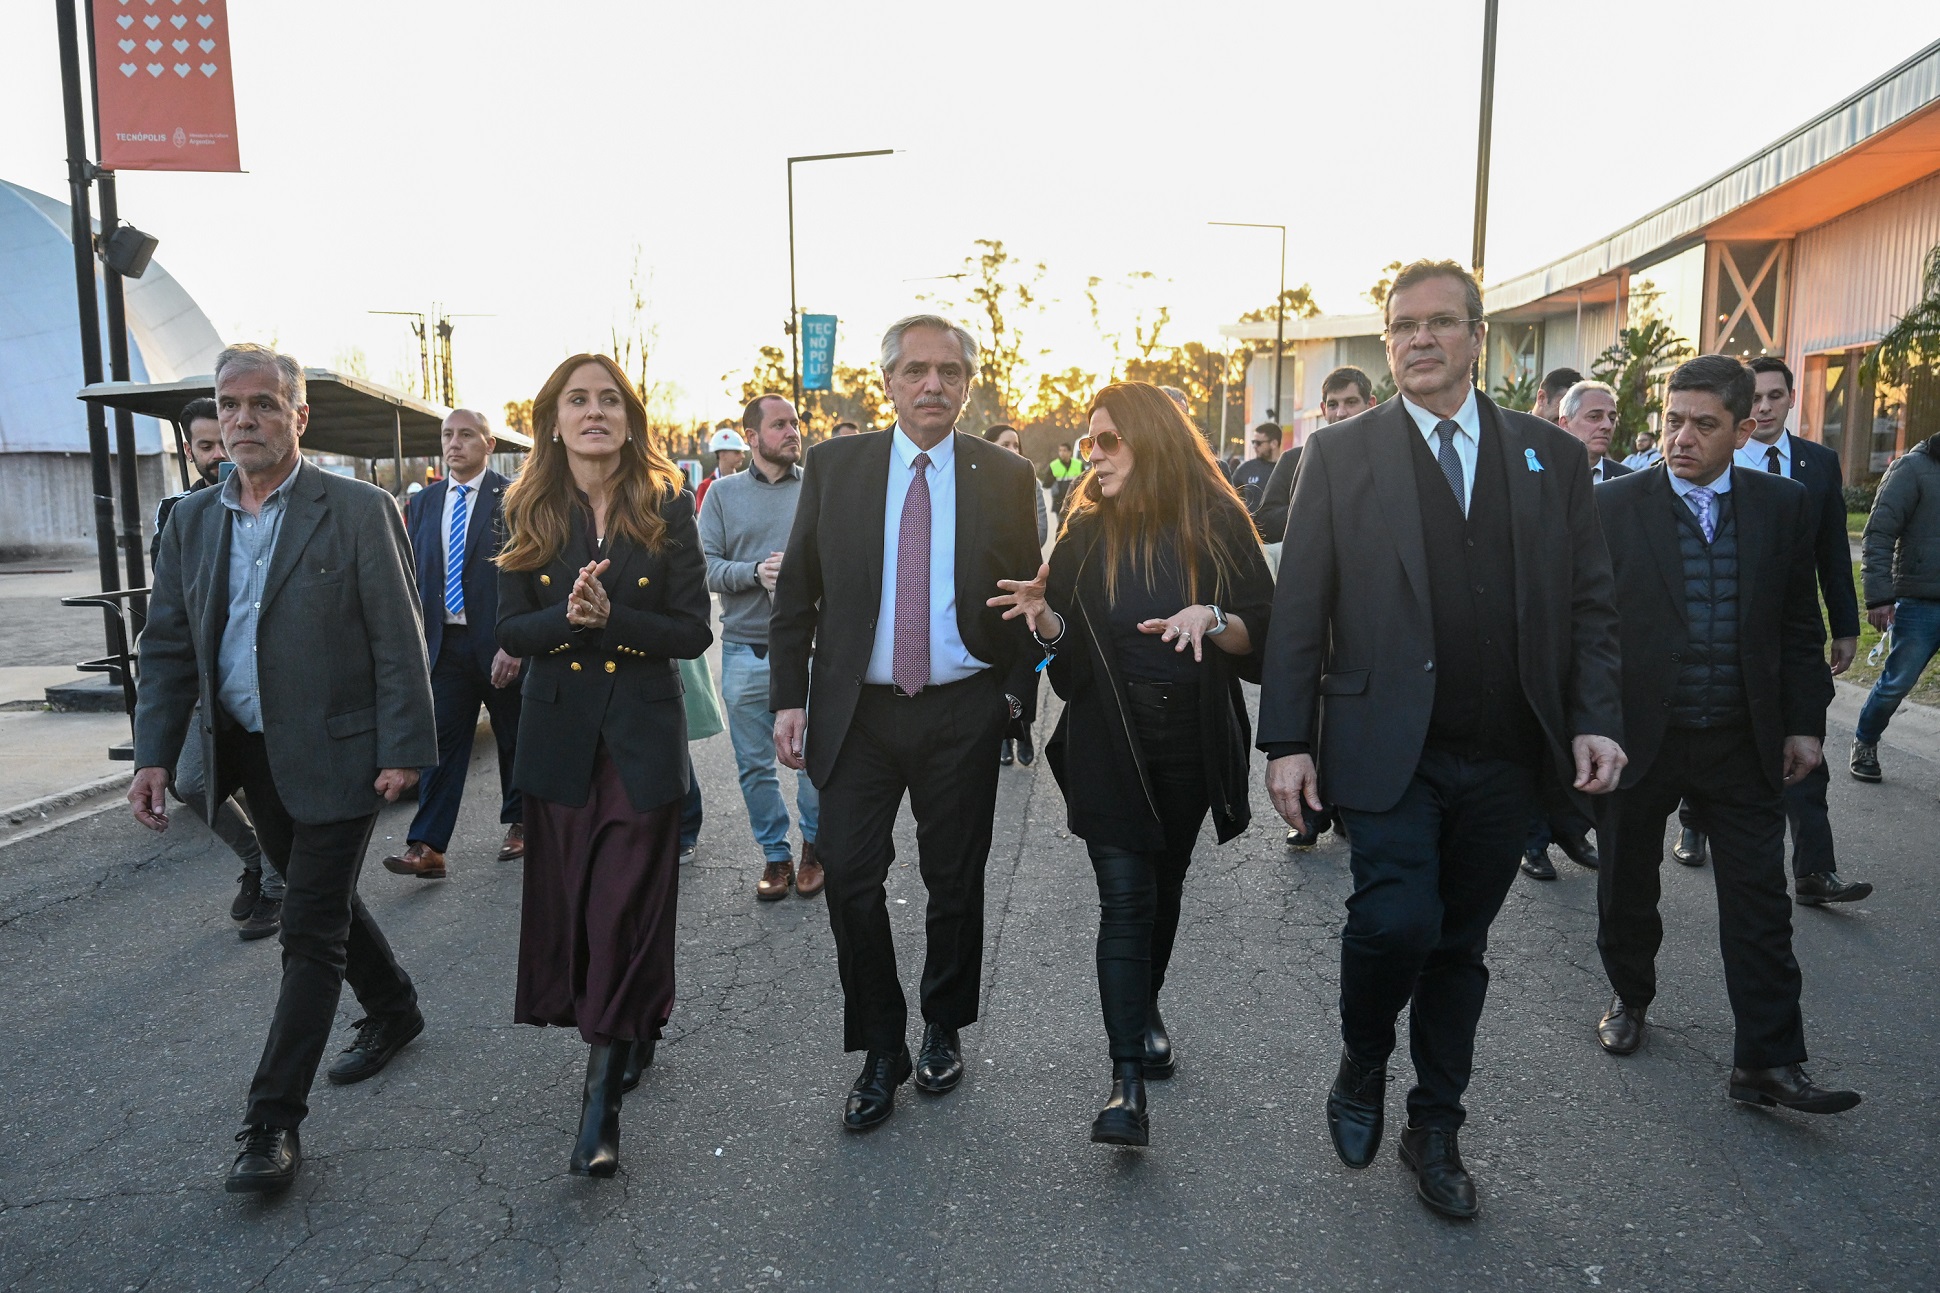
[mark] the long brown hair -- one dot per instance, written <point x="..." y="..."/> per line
<point x="538" y="506"/>
<point x="1170" y="500"/>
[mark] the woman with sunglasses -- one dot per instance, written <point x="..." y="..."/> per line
<point x="1152" y="608"/>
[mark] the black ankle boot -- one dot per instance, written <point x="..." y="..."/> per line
<point x="1159" y="1060"/>
<point x="597" y="1151"/>
<point x="638" y="1062"/>
<point x="1123" y="1121"/>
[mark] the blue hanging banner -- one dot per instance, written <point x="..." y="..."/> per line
<point x="818" y="352"/>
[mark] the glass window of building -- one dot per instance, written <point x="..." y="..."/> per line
<point x="1747" y="292"/>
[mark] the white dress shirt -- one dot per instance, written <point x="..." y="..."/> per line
<point x="950" y="660"/>
<point x="1468" y="444"/>
<point x="1753" y="454"/>
<point x="1683" y="488"/>
<point x="444" y="530"/>
<point x="1599" y="470"/>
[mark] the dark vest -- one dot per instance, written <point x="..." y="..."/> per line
<point x="1479" y="711"/>
<point x="1710" y="686"/>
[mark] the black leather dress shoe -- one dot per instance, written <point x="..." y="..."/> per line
<point x="1818" y="890"/>
<point x="1621" y="1030"/>
<point x="268" y="1162"/>
<point x="939" y="1066"/>
<point x="1159" y="1059"/>
<point x="1298" y="839"/>
<point x="873" y="1097"/>
<point x="1440" y="1179"/>
<point x="1536" y="864"/>
<point x="1578" y="849"/>
<point x="378" y="1042"/>
<point x="1788" y="1087"/>
<point x="1122" y="1121"/>
<point x="1006" y="752"/>
<point x="1026" y="752"/>
<point x="1357" y="1110"/>
<point x="1690" y="847"/>
<point x="638" y="1060"/>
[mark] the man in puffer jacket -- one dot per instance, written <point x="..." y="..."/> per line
<point x="1900" y="564"/>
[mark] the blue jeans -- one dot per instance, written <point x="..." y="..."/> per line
<point x="1916" y="636"/>
<point x="751" y="727"/>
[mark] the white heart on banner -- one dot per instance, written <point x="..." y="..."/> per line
<point x="182" y="69"/>
<point x="205" y="45"/>
<point x="127" y="46"/>
<point x="125" y="22"/>
<point x="180" y="46"/>
<point x="151" y="22"/>
<point x="155" y="69"/>
<point x="204" y="21"/>
<point x="128" y="69"/>
<point x="178" y="22"/>
<point x="208" y="69"/>
<point x="154" y="46"/>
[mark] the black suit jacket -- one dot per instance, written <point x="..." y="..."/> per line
<point x="1350" y="661"/>
<point x="617" y="684"/>
<point x="829" y="595"/>
<point x="1613" y="469"/>
<point x="424" y="521"/>
<point x="1781" y="641"/>
<point x="1817" y="468"/>
<point x="1271" y="518"/>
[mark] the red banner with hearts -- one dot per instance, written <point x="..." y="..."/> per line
<point x="163" y="88"/>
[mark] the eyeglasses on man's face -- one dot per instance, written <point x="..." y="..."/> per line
<point x="1402" y="331"/>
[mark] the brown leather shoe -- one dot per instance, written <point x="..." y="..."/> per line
<point x="420" y="860"/>
<point x="809" y="879"/>
<point x="514" y="847"/>
<point x="776" y="877"/>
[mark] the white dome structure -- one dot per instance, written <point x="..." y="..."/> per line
<point x="45" y="499"/>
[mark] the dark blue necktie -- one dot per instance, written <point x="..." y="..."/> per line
<point x="1451" y="461"/>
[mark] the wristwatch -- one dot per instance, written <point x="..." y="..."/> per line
<point x="1219" y="621"/>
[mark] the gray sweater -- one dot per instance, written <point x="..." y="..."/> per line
<point x="744" y="518"/>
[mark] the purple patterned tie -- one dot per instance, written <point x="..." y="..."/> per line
<point x="1706" y="520"/>
<point x="910" y="666"/>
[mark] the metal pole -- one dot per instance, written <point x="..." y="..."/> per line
<point x="182" y="453"/>
<point x="397" y="422"/>
<point x="1482" y="143"/>
<point x="81" y="233"/>
<point x="1280" y="328"/>
<point x="794" y="311"/>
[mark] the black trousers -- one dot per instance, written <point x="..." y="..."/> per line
<point x="939" y="746"/>
<point x="1430" y="875"/>
<point x="1139" y="892"/>
<point x="1806" y="814"/>
<point x="1718" y="771"/>
<point x="329" y="939"/>
<point x="458" y="688"/>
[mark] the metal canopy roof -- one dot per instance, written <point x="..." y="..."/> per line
<point x="348" y="415"/>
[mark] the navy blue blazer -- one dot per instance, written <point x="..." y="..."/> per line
<point x="1817" y="468"/>
<point x="424" y="520"/>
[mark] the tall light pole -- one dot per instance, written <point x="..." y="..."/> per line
<point x="1279" y="305"/>
<point x="794" y="311"/>
<point x="1482" y="142"/>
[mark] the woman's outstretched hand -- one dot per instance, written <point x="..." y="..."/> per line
<point x="1026" y="597"/>
<point x="1189" y="626"/>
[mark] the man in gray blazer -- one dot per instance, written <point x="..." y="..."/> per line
<point x="284" y="603"/>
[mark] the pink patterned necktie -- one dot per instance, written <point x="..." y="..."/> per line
<point x="910" y="664"/>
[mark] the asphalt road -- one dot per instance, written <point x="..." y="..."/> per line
<point x="133" y="1018"/>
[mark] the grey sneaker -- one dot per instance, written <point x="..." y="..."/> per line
<point x="1865" y="761"/>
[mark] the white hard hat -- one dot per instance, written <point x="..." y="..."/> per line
<point x="727" y="438"/>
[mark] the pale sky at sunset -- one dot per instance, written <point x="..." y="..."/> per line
<point x="504" y="159"/>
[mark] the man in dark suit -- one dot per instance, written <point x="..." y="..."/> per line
<point x="1588" y="411"/>
<point x="1773" y="449"/>
<point x="456" y="532"/>
<point x="898" y="542"/>
<point x="1449" y="641"/>
<point x="1724" y="698"/>
<point x="283" y="602"/>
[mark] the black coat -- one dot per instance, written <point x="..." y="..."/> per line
<point x="618" y="684"/>
<point x="1781" y="640"/>
<point x="1350" y="664"/>
<point x="1111" y="801"/>
<point x="1817" y="468"/>
<point x="829" y="595"/>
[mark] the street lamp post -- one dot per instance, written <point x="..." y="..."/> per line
<point x="1279" y="307"/>
<point x="1482" y="140"/>
<point x="794" y="311"/>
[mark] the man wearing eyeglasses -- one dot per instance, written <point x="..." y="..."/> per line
<point x="1449" y="644"/>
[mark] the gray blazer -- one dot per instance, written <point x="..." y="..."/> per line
<point x="345" y="686"/>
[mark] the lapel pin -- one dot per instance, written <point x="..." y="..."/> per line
<point x="1529" y="460"/>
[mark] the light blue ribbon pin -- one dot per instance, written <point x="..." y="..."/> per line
<point x="1529" y="459"/>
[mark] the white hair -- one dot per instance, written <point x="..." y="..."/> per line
<point x="1573" y="397"/>
<point x="247" y="354"/>
<point x="892" y="340"/>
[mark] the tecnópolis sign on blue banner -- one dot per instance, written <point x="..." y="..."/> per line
<point x="818" y="352"/>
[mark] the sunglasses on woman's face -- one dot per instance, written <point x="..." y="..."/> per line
<point x="1108" y="441"/>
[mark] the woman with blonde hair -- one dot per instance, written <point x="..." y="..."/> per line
<point x="1152" y="609"/>
<point x="602" y="586"/>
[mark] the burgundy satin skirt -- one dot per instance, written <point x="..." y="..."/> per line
<point x="596" y="936"/>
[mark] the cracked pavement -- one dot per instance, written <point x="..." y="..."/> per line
<point x="134" y="1018"/>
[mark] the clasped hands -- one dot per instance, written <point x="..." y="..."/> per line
<point x="587" y="606"/>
